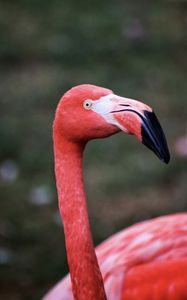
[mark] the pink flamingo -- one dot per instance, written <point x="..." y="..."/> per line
<point x="147" y="261"/>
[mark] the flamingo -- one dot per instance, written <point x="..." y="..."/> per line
<point x="147" y="261"/>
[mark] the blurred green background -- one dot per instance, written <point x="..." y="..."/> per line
<point x="136" y="48"/>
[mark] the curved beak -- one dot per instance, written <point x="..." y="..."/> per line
<point x="153" y="136"/>
<point x="135" y="117"/>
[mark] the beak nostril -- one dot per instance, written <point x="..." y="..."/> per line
<point x="124" y="104"/>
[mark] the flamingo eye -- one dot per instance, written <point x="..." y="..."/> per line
<point x="87" y="104"/>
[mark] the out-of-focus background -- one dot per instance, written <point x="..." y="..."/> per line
<point x="136" y="48"/>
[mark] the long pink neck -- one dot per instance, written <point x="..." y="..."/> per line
<point x="85" y="274"/>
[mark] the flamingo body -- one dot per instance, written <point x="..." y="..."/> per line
<point x="147" y="261"/>
<point x="159" y="281"/>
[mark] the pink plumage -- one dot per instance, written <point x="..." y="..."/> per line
<point x="147" y="261"/>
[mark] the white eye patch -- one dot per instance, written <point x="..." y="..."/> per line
<point x="104" y="105"/>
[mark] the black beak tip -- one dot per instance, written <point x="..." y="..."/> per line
<point x="153" y="136"/>
<point x="166" y="158"/>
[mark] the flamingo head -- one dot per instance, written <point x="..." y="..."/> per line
<point x="88" y="112"/>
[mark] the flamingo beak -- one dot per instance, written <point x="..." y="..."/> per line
<point x="137" y="118"/>
<point x="153" y="136"/>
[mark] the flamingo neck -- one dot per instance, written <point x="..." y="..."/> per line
<point x="85" y="274"/>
